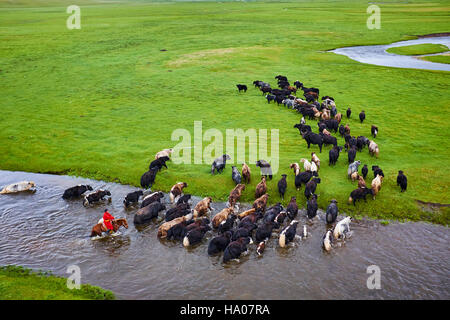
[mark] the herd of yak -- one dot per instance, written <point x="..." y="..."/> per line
<point x="236" y="230"/>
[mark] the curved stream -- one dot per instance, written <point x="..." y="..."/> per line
<point x="377" y="54"/>
<point x="40" y="230"/>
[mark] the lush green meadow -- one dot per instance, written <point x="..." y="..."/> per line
<point x="101" y="101"/>
<point x="18" y="283"/>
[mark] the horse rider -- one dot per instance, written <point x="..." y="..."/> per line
<point x="107" y="218"/>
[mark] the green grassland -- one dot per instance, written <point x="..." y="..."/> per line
<point x="101" y="101"/>
<point x="444" y="58"/>
<point x="417" y="49"/>
<point x="18" y="283"/>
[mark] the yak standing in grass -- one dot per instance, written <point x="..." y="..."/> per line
<point x="361" y="182"/>
<point x="365" y="171"/>
<point x="163" y="153"/>
<point x="295" y="167"/>
<point x="373" y="149"/>
<point x="159" y="163"/>
<point x="377" y="171"/>
<point x="334" y="155"/>
<point x="282" y="185"/>
<point x="362" y="116"/>
<point x="219" y="163"/>
<point x="402" y="181"/>
<point x="148" y="178"/>
<point x="374" y="131"/>
<point x="242" y="87"/>
<point x="353" y="167"/>
<point x="265" y="167"/>
<point x="303" y="178"/>
<point x="359" y="194"/>
<point x="341" y="130"/>
<point x="315" y="159"/>
<point x="246" y="173"/>
<point x="310" y="187"/>
<point x="313" y="138"/>
<point x="261" y="188"/>
<point x="235" y="175"/>
<point x="376" y="185"/>
<point x="351" y="154"/>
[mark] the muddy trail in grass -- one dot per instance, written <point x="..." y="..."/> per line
<point x="40" y="230"/>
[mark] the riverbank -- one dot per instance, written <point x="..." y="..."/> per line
<point x="101" y="101"/>
<point x="19" y="283"/>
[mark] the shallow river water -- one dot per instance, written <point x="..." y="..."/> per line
<point x="40" y="230"/>
<point x="377" y="54"/>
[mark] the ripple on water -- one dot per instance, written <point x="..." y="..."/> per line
<point x="43" y="231"/>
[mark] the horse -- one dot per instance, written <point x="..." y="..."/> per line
<point x="99" y="228"/>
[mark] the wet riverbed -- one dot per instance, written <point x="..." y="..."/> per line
<point x="377" y="54"/>
<point x="42" y="231"/>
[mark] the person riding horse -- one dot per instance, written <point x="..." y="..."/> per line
<point x="115" y="224"/>
<point x="107" y="218"/>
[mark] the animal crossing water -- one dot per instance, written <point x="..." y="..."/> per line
<point x="40" y="230"/>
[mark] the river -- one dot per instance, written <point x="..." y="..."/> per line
<point x="40" y="230"/>
<point x="377" y="54"/>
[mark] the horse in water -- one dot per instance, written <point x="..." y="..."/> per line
<point x="99" y="228"/>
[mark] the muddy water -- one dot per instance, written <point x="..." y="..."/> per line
<point x="377" y="54"/>
<point x="42" y="231"/>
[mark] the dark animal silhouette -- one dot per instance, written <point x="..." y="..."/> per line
<point x="332" y="212"/>
<point x="132" y="197"/>
<point x="282" y="185"/>
<point x="402" y="181"/>
<point x="242" y="87"/>
<point x="311" y="207"/>
<point x="76" y="191"/>
<point x="362" y="116"/>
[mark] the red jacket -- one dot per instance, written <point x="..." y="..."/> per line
<point x="107" y="217"/>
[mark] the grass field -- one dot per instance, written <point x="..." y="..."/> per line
<point x="18" y="283"/>
<point x="444" y="58"/>
<point x="101" y="101"/>
<point x="417" y="49"/>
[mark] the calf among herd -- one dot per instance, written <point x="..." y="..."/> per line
<point x="237" y="230"/>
